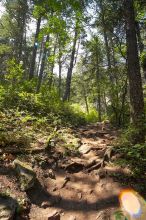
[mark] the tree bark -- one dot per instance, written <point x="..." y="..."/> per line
<point x="106" y="39"/>
<point x="134" y="76"/>
<point x="98" y="87"/>
<point x="42" y="67"/>
<point x="85" y="98"/>
<point x="52" y="67"/>
<point x="60" y="73"/>
<point x="40" y="57"/>
<point x="34" y="53"/>
<point x="70" y="69"/>
<point x="140" y="43"/>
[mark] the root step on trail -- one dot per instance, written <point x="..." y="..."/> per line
<point x="76" y="186"/>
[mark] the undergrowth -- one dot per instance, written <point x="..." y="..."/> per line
<point x="132" y="156"/>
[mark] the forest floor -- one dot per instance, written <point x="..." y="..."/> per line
<point x="83" y="184"/>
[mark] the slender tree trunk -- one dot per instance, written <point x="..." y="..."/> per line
<point x="40" y="57"/>
<point x="52" y="67"/>
<point x="98" y="87"/>
<point x="140" y="43"/>
<point x="34" y="53"/>
<point x="105" y="37"/>
<point x="70" y="69"/>
<point x="60" y="74"/>
<point x="42" y="67"/>
<point x="105" y="102"/>
<point x="141" y="46"/>
<point x="108" y="54"/>
<point x="85" y="98"/>
<point x="21" y="39"/>
<point x="134" y="76"/>
<point x="24" y="56"/>
<point x="122" y="110"/>
<point x="99" y="106"/>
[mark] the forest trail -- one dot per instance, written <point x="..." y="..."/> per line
<point x="80" y="190"/>
<point x="74" y="187"/>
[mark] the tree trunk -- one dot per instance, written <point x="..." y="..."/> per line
<point x="42" y="67"/>
<point x="134" y="76"/>
<point x="106" y="39"/>
<point x="85" y="98"/>
<point x="52" y="67"/>
<point x="34" y="53"/>
<point x="40" y="57"/>
<point x="140" y="43"/>
<point x="70" y="69"/>
<point x="122" y="110"/>
<point x="60" y="75"/>
<point x="99" y="106"/>
<point x="98" y="87"/>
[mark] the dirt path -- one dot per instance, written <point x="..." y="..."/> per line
<point x="77" y="186"/>
<point x="75" y="192"/>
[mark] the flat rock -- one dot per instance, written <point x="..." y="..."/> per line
<point x="7" y="208"/>
<point x="84" y="149"/>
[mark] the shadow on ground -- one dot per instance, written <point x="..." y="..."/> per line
<point x="38" y="194"/>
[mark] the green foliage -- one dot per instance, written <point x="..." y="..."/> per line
<point x="119" y="215"/>
<point x="127" y="137"/>
<point x="143" y="59"/>
<point x="92" y="116"/>
<point x="5" y="193"/>
<point x="131" y="154"/>
<point x="14" y="72"/>
<point x="46" y="105"/>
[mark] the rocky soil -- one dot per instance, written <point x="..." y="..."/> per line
<point x="74" y="180"/>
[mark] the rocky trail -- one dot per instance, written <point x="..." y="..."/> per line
<point x="77" y="185"/>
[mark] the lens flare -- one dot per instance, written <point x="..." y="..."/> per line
<point x="130" y="203"/>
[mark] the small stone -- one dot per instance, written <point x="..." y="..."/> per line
<point x="45" y="204"/>
<point x="84" y="149"/>
<point x="43" y="164"/>
<point x="51" y="174"/>
<point x="79" y="195"/>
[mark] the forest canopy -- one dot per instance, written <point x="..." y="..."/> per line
<point x="76" y="61"/>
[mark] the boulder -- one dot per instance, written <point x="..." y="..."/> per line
<point x="27" y="176"/>
<point x="7" y="208"/>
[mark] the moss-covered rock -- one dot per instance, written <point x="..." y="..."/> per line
<point x="27" y="176"/>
